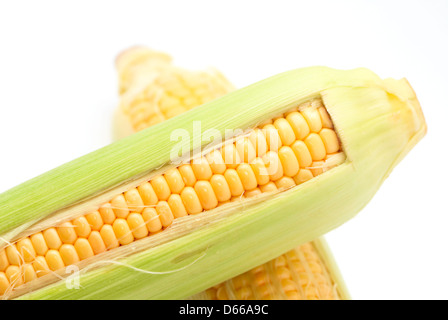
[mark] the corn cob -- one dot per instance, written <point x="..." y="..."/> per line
<point x="201" y="250"/>
<point x="153" y="90"/>
<point x="275" y="279"/>
<point x="300" y="274"/>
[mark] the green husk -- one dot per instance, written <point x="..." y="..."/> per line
<point x="328" y="260"/>
<point x="377" y="121"/>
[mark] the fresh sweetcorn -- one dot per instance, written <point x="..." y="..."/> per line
<point x="376" y="122"/>
<point x="152" y="89"/>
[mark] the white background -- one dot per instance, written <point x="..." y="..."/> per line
<point x="58" y="89"/>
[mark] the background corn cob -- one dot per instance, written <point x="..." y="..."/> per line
<point x="305" y="273"/>
<point x="301" y="273"/>
<point x="152" y="89"/>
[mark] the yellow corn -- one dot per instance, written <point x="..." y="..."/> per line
<point x="153" y="90"/>
<point x="300" y="274"/>
<point x="125" y="203"/>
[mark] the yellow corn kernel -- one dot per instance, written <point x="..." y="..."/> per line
<point x="330" y="140"/>
<point x="4" y="263"/>
<point x="260" y="171"/>
<point x="54" y="260"/>
<point x="97" y="242"/>
<point x="220" y="187"/>
<point x="107" y="214"/>
<point x="134" y="201"/>
<point x="206" y="195"/>
<point x="161" y="187"/>
<point x="289" y="162"/>
<point x="303" y="176"/>
<point x="238" y="198"/>
<point x="325" y="117"/>
<point x="66" y="232"/>
<point x="298" y="125"/>
<point x="269" y="187"/>
<point x="216" y="162"/>
<point x="317" y="167"/>
<point x="152" y="220"/>
<point x="201" y="169"/>
<point x="313" y="119"/>
<point x="187" y="174"/>
<point x="4" y="283"/>
<point x="82" y="227"/>
<point x="119" y="206"/>
<point x="95" y="221"/>
<point x="13" y="255"/>
<point x="252" y="193"/>
<point x="14" y="275"/>
<point x="26" y="250"/>
<point x="164" y="213"/>
<point x="29" y="274"/>
<point x="147" y="193"/>
<point x="191" y="200"/>
<point x="302" y="153"/>
<point x="174" y="180"/>
<point x="109" y="237"/>
<point x="285" y="183"/>
<point x="137" y="225"/>
<point x="122" y="231"/>
<point x="234" y="182"/>
<point x="315" y="146"/>
<point x="177" y="206"/>
<point x="40" y="266"/>
<point x="247" y="176"/>
<point x="68" y="254"/>
<point x="221" y="294"/>
<point x="39" y="244"/>
<point x="83" y="248"/>
<point x="273" y="165"/>
<point x="285" y="131"/>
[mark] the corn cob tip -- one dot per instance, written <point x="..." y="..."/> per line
<point x="152" y="89"/>
<point x="407" y="110"/>
<point x="404" y="91"/>
<point x="135" y="53"/>
<point x="131" y="62"/>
